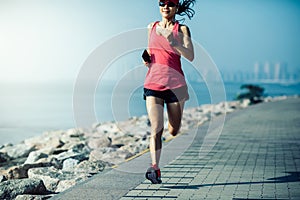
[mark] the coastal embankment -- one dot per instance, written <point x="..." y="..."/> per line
<point x="45" y="165"/>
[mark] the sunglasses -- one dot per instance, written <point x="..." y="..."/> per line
<point x="169" y="4"/>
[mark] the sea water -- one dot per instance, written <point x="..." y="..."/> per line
<point x="29" y="109"/>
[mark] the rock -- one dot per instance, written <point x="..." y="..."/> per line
<point x="35" y="156"/>
<point x="33" y="197"/>
<point x="222" y="108"/>
<point x="114" y="157"/>
<point x="69" y="164"/>
<point x="18" y="150"/>
<point x="135" y="126"/>
<point x="17" y="172"/>
<point x="138" y="147"/>
<point x="245" y="103"/>
<point x="280" y="98"/>
<point x="206" y="108"/>
<point x="57" y="151"/>
<point x="12" y="188"/>
<point x="49" y="175"/>
<point x="71" y="147"/>
<point x="72" y="136"/>
<point x="6" y="145"/>
<point x="71" y="154"/>
<point x="75" y="133"/>
<point x="64" y="185"/>
<point x="48" y="139"/>
<point x="90" y="167"/>
<point x="97" y="154"/>
<point x="233" y="104"/>
<point x="124" y="140"/>
<point x="4" y="157"/>
<point x="79" y="148"/>
<point x="99" y="142"/>
<point x="268" y="99"/>
<point x="52" y="176"/>
<point x="109" y="127"/>
<point x="90" y="134"/>
<point x="56" y="163"/>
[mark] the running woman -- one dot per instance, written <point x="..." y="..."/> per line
<point x="165" y="83"/>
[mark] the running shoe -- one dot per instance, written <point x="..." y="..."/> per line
<point x="153" y="175"/>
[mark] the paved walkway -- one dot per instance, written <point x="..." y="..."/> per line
<point x="256" y="157"/>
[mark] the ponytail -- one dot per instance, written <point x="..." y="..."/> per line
<point x="184" y="8"/>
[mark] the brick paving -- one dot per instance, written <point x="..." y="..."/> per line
<point x="256" y="157"/>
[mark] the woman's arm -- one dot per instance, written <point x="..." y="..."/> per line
<point x="149" y="32"/>
<point x="187" y="48"/>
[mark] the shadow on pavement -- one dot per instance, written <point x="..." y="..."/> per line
<point x="292" y="177"/>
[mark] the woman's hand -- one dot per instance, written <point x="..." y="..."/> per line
<point x="146" y="57"/>
<point x="146" y="64"/>
<point x="186" y="48"/>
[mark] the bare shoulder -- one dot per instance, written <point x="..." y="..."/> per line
<point x="184" y="29"/>
<point x="150" y="25"/>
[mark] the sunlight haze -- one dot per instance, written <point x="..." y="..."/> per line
<point x="50" y="40"/>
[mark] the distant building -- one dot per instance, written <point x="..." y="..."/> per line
<point x="256" y="71"/>
<point x="267" y="71"/>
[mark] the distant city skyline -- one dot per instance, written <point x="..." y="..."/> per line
<point x="264" y="72"/>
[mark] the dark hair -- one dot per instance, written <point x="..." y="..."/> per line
<point x="184" y="8"/>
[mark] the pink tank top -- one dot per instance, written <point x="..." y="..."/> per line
<point x="165" y="69"/>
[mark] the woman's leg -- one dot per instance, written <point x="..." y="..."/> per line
<point x="175" y="111"/>
<point x="155" y="109"/>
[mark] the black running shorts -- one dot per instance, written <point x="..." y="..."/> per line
<point x="170" y="95"/>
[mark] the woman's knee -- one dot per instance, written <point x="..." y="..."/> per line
<point x="156" y="131"/>
<point x="157" y="128"/>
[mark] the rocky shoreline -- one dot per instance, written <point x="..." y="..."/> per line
<point x="45" y="165"/>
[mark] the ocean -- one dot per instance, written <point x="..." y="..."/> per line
<point x="30" y="109"/>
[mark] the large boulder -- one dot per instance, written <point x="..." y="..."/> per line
<point x="12" y="188"/>
<point x="48" y="139"/>
<point x="34" y="156"/>
<point x="54" y="178"/>
<point x="49" y="175"/>
<point x="17" y="151"/>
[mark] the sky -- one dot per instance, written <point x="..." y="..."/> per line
<point x="49" y="40"/>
